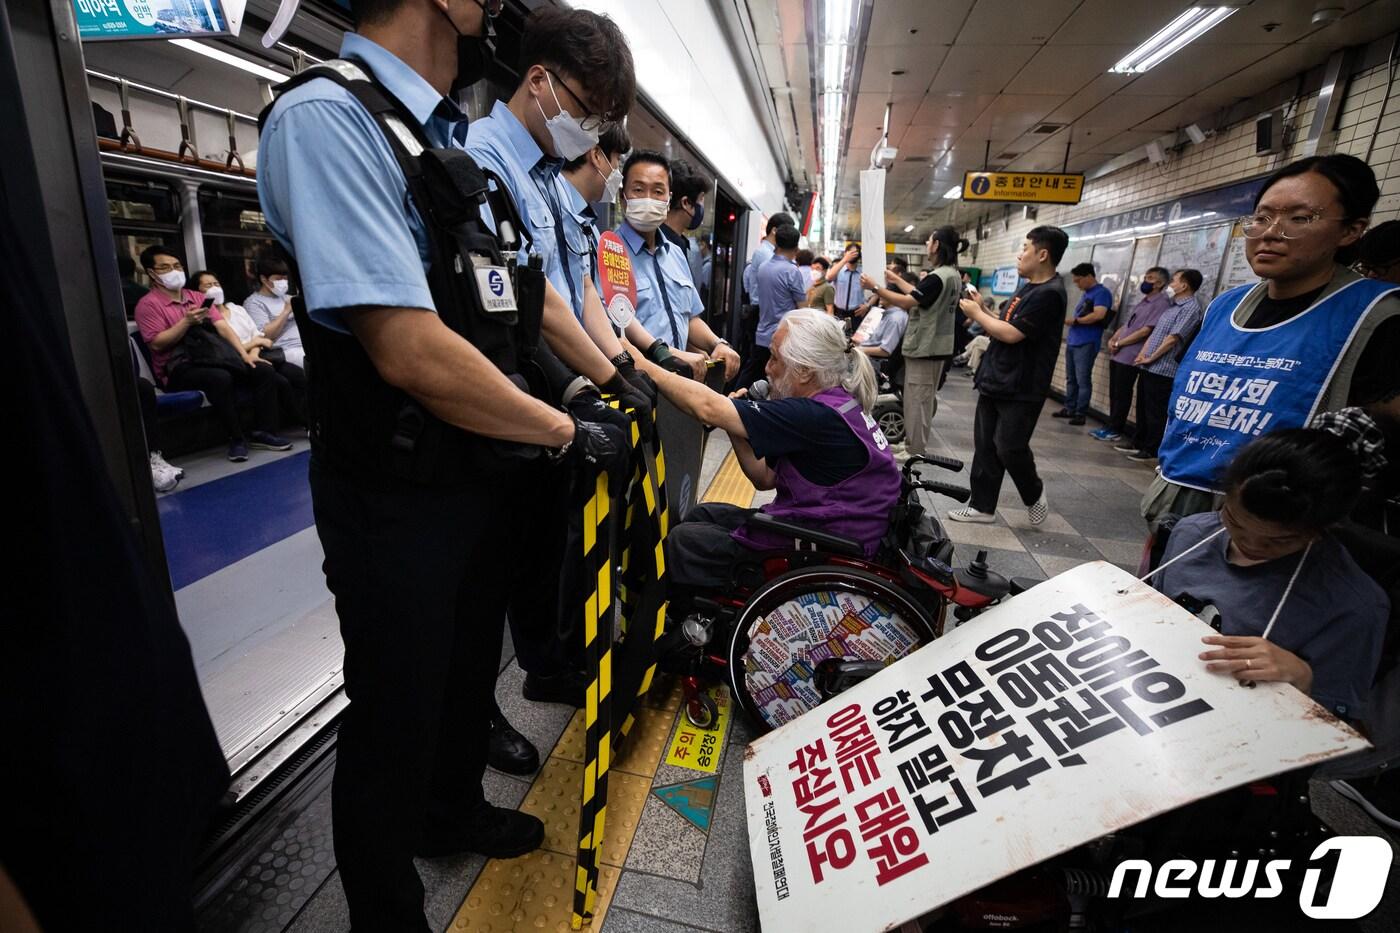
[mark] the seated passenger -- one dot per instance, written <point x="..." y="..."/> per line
<point x="291" y="378"/>
<point x="1293" y="605"/>
<point x="167" y="316"/>
<point x="271" y="309"/>
<point x="813" y="441"/>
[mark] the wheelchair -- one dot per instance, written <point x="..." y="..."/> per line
<point x="799" y="625"/>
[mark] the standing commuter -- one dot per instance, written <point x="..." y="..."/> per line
<point x="421" y="434"/>
<point x="928" y="340"/>
<point x="781" y="288"/>
<point x="1125" y="345"/>
<point x="668" y="303"/>
<point x="1014" y="377"/>
<point x="845" y="275"/>
<point x="1158" y="359"/>
<point x="1082" y="344"/>
<point x="1340" y="331"/>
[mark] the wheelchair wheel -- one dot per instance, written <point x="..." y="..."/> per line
<point x="890" y="417"/>
<point x="803" y="617"/>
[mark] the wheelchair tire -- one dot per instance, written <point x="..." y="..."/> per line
<point x="774" y="686"/>
<point x="890" y="418"/>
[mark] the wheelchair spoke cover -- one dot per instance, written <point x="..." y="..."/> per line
<point x="807" y="616"/>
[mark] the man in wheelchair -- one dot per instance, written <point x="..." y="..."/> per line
<point x="812" y="440"/>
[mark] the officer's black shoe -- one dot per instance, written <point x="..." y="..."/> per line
<point x="509" y="751"/>
<point x="494" y="832"/>
<point x="567" y="687"/>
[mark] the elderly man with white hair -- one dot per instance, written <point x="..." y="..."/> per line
<point x="812" y="440"/>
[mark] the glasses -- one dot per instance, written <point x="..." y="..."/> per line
<point x="167" y="267"/>
<point x="1290" y="227"/>
<point x="591" y="122"/>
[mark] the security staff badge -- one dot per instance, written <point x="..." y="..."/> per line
<point x="494" y="287"/>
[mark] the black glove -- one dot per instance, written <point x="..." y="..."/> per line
<point x="601" y="446"/>
<point x="678" y="366"/>
<point x="632" y="393"/>
<point x="588" y="405"/>
<point x="641" y="381"/>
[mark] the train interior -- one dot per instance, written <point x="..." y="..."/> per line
<point x="775" y="100"/>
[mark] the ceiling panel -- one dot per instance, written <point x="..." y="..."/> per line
<point x="979" y="69"/>
<point x="918" y="64"/>
<point x="1009" y="22"/>
<point x="1087" y="98"/>
<point x="1121" y="113"/>
<point x="942" y="110"/>
<point x="1065" y="68"/>
<point x="1129" y="21"/>
<point x="870" y="109"/>
<point x="916" y="22"/>
<point x="1196" y="67"/>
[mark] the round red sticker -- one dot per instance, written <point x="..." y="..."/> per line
<point x="617" y="284"/>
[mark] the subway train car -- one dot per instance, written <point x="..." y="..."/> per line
<point x="1147" y="132"/>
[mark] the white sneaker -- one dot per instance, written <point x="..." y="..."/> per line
<point x="1039" y="510"/>
<point x="158" y="461"/>
<point x="163" y="476"/>
<point x="972" y="515"/>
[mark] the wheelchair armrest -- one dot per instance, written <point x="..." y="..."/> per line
<point x="800" y="535"/>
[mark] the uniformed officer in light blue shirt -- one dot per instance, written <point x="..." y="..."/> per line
<point x="764" y="252"/>
<point x="668" y="303"/>
<point x="553" y="116"/>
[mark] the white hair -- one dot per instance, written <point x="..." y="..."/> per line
<point x="817" y="343"/>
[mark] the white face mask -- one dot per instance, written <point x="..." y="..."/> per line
<point x="216" y="292"/>
<point x="570" y="139"/>
<point x="645" y="214"/>
<point x="1170" y="292"/>
<point x="172" y="279"/>
<point x="612" y="183"/>
<point x="279" y="287"/>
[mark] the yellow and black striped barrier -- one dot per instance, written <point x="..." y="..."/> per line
<point x="636" y="591"/>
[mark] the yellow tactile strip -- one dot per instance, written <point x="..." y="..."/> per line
<point x="730" y="484"/>
<point x="535" y="892"/>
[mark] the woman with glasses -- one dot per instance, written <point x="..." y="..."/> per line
<point x="1307" y="338"/>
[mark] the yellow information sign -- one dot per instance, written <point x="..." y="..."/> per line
<point x="699" y="749"/>
<point x="1023" y="187"/>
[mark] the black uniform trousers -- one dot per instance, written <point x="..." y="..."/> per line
<point x="1001" y="432"/>
<point x="415" y="574"/>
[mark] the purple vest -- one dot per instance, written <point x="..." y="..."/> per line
<point x="858" y="507"/>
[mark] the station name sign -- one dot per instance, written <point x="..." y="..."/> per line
<point x="1023" y="187"/>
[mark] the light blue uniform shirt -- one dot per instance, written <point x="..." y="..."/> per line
<point x="760" y="256"/>
<point x="501" y="143"/>
<point x="781" y="288"/>
<point x="333" y="193"/>
<point x="666" y="297"/>
<point x="849" y="294"/>
<point x="580" y="239"/>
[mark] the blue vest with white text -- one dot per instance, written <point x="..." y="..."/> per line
<point x="1237" y="383"/>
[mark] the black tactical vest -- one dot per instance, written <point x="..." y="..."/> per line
<point x="362" y="426"/>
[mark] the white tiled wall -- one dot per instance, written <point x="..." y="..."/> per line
<point x="1226" y="157"/>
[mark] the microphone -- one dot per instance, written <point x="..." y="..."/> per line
<point x="759" y="390"/>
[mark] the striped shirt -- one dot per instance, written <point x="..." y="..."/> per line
<point x="1182" y="318"/>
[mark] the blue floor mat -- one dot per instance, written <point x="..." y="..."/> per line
<point x="218" y="523"/>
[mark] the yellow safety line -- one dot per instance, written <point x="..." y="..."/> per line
<point x="730" y="484"/>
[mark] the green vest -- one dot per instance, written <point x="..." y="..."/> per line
<point x="930" y="330"/>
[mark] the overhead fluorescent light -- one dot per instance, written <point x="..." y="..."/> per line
<point x="909" y="229"/>
<point x="219" y="55"/>
<point x="1172" y="38"/>
<point x="953" y="193"/>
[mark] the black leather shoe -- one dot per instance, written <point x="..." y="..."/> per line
<point x="1077" y="420"/>
<point x="494" y="832"/>
<point x="1062" y="413"/>
<point x="509" y="751"/>
<point x="568" y="688"/>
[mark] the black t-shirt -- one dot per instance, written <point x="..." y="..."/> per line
<point x="928" y="290"/>
<point x="1375" y="373"/>
<point x="816" y="439"/>
<point x="1021" y="371"/>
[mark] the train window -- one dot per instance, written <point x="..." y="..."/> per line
<point x="142" y="204"/>
<point x="235" y="232"/>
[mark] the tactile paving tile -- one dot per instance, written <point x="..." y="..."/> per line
<point x="554" y="798"/>
<point x="730" y="484"/>
<point x="642" y="750"/>
<point x="533" y="892"/>
<point x="666" y="693"/>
